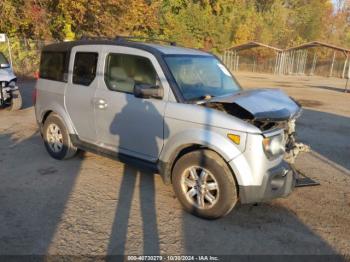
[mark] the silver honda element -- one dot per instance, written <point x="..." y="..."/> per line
<point x="176" y="111"/>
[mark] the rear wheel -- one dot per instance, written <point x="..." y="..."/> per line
<point x="204" y="184"/>
<point x="16" y="101"/>
<point x="56" y="138"/>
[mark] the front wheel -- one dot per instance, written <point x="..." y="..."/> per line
<point x="204" y="184"/>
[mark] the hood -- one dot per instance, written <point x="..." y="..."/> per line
<point x="259" y="105"/>
<point x="6" y="74"/>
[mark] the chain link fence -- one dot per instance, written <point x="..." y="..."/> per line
<point x="301" y="62"/>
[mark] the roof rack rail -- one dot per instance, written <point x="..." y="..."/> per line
<point x="119" y="38"/>
<point x="134" y="38"/>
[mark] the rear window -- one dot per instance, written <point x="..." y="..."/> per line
<point x="3" y="59"/>
<point x="84" y="71"/>
<point x="54" y="66"/>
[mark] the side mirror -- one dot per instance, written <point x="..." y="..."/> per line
<point x="4" y="66"/>
<point x="148" y="91"/>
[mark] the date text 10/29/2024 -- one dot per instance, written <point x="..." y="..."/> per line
<point x="172" y="258"/>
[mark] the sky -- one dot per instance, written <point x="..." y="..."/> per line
<point x="335" y="5"/>
<point x="336" y="1"/>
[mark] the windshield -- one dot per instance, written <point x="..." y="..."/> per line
<point x="3" y="59"/>
<point x="201" y="77"/>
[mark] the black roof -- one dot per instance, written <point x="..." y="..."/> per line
<point x="67" y="46"/>
<point x="155" y="49"/>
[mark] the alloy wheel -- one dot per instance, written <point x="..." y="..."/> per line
<point x="200" y="187"/>
<point x="54" y="138"/>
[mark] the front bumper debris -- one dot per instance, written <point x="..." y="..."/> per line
<point x="293" y="149"/>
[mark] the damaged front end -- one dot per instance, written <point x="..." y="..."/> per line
<point x="4" y="92"/>
<point x="293" y="148"/>
<point x="10" y="96"/>
<point x="267" y="109"/>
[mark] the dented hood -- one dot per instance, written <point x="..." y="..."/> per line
<point x="263" y="104"/>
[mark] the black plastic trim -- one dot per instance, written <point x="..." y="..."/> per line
<point x="137" y="162"/>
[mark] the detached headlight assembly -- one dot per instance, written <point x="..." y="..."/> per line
<point x="274" y="145"/>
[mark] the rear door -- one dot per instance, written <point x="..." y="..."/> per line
<point x="81" y="89"/>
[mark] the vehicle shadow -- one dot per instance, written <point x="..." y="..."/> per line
<point x="32" y="199"/>
<point x="327" y="134"/>
<point x="263" y="229"/>
<point x="331" y="88"/>
<point x="257" y="77"/>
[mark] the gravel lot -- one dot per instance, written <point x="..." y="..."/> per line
<point x="96" y="206"/>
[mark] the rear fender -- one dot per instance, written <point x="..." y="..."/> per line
<point x="57" y="109"/>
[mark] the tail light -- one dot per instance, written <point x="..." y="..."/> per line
<point x="36" y="75"/>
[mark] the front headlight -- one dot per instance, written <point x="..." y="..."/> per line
<point x="274" y="145"/>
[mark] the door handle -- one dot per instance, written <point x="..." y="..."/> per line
<point x="100" y="103"/>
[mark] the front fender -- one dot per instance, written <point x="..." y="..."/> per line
<point x="206" y="138"/>
<point x="212" y="139"/>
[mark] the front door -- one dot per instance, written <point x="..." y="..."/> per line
<point x="124" y="123"/>
<point x="81" y="89"/>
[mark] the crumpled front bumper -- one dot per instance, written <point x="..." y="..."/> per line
<point x="277" y="182"/>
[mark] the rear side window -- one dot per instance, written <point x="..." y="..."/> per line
<point x="54" y="66"/>
<point x="124" y="71"/>
<point x="85" y="65"/>
<point x="3" y="59"/>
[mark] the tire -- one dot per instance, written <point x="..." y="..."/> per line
<point x="55" y="132"/>
<point x="218" y="175"/>
<point x="16" y="101"/>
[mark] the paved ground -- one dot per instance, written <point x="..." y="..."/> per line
<point x="94" y="205"/>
